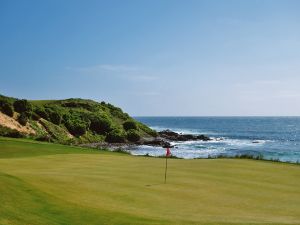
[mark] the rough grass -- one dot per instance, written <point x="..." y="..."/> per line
<point x="42" y="102"/>
<point x="43" y="183"/>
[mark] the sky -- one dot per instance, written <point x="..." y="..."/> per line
<point x="155" y="57"/>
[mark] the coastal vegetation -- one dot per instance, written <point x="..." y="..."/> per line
<point x="53" y="184"/>
<point x="69" y="121"/>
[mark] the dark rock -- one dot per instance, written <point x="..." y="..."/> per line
<point x="163" y="140"/>
<point x="173" y="136"/>
<point x="157" y="142"/>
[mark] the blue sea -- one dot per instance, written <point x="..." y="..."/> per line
<point x="276" y="138"/>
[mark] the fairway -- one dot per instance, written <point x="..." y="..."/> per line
<point x="43" y="183"/>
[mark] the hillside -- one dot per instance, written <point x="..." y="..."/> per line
<point x="69" y="121"/>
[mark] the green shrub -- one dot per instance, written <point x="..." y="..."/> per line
<point x="116" y="136"/>
<point x="100" y="124"/>
<point x="57" y="134"/>
<point x="76" y="127"/>
<point x="147" y="130"/>
<point x="43" y="138"/>
<point x="41" y="112"/>
<point x="7" y="109"/>
<point x="23" y="118"/>
<point x="22" y="106"/>
<point x="79" y="103"/>
<point x="117" y="112"/>
<point x="89" y="137"/>
<point x="35" y="116"/>
<point x="133" y="135"/>
<point x="130" y="125"/>
<point x="55" y="117"/>
<point x="65" y="118"/>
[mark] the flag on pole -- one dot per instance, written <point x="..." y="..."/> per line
<point x="168" y="152"/>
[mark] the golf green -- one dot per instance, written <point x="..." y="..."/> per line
<point x="43" y="183"/>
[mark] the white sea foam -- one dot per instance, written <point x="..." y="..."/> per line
<point x="183" y="131"/>
<point x="247" y="136"/>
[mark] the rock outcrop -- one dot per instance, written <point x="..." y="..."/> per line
<point x="173" y="136"/>
<point x="165" y="137"/>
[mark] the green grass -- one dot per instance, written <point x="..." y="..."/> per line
<point x="42" y="102"/>
<point x="43" y="183"/>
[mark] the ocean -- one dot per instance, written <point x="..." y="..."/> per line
<point x="276" y="138"/>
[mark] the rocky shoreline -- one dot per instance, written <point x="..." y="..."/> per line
<point x="163" y="140"/>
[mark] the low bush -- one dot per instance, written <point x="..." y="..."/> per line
<point x="55" y="117"/>
<point x="76" y="127"/>
<point x="35" y="116"/>
<point x="22" y="106"/>
<point x="116" y="136"/>
<point x="100" y="124"/>
<point x="7" y="108"/>
<point x="117" y="112"/>
<point x="133" y="135"/>
<point x="23" y="118"/>
<point x="147" y="130"/>
<point x="41" y="112"/>
<point x="57" y="134"/>
<point x="43" y="138"/>
<point x="130" y="125"/>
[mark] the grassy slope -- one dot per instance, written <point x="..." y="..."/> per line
<point x="88" y="121"/>
<point x="43" y="183"/>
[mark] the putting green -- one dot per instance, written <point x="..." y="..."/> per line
<point x="43" y="183"/>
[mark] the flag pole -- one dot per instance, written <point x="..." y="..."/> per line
<point x="166" y="168"/>
<point x="168" y="153"/>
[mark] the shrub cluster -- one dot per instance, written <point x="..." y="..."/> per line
<point x="133" y="135"/>
<point x="22" y="105"/>
<point x="76" y="126"/>
<point x="116" y="136"/>
<point x="130" y="125"/>
<point x="23" y="118"/>
<point x="7" y="108"/>
<point x="55" y="117"/>
<point x="100" y="124"/>
<point x="40" y="111"/>
<point x="117" y="112"/>
<point x="147" y="130"/>
<point x="82" y="118"/>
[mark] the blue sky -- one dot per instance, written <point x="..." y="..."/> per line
<point x="176" y="58"/>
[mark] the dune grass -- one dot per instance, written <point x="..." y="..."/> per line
<point x="43" y="183"/>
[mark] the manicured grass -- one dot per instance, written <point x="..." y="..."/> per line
<point x="43" y="183"/>
<point x="14" y="148"/>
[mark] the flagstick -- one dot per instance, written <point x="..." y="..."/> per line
<point x="166" y="168"/>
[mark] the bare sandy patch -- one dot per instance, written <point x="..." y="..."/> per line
<point x="11" y="123"/>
